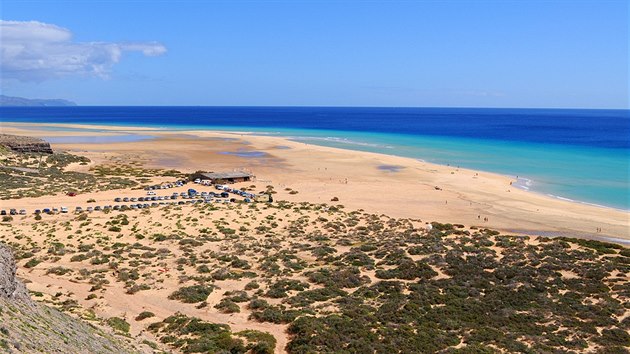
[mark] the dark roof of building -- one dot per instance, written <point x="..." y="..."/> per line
<point x="225" y="175"/>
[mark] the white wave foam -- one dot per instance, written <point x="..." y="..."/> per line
<point x="523" y="183"/>
<point x="339" y="140"/>
<point x="585" y="203"/>
<point x="562" y="198"/>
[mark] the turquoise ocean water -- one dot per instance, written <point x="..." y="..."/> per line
<point x="581" y="174"/>
<point x="580" y="155"/>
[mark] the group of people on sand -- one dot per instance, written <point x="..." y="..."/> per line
<point x="484" y="219"/>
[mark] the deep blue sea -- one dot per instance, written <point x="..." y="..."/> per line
<point x="582" y="155"/>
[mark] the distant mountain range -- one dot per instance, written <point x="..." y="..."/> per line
<point x="7" y="101"/>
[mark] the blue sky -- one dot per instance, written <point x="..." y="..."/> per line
<point x="327" y="53"/>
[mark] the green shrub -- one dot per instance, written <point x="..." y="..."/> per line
<point x="32" y="263"/>
<point x="144" y="315"/>
<point x="118" y="324"/>
<point x="227" y="306"/>
<point x="252" y="285"/>
<point x="259" y="342"/>
<point x="192" y="294"/>
<point x="203" y="269"/>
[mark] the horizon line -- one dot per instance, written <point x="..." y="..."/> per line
<point x="325" y="106"/>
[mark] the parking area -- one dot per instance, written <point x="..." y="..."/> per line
<point x="172" y="193"/>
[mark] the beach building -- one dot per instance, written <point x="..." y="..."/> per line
<point x="222" y="177"/>
<point x="263" y="198"/>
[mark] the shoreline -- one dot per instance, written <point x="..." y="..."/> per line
<point x="467" y="193"/>
<point x="135" y="129"/>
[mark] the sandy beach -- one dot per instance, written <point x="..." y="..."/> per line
<point x="258" y="262"/>
<point x="396" y="186"/>
<point x="291" y="177"/>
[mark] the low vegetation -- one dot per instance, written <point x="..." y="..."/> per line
<point x="192" y="335"/>
<point x="23" y="174"/>
<point x="337" y="280"/>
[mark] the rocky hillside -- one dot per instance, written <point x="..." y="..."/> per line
<point x="26" y="326"/>
<point x="25" y="144"/>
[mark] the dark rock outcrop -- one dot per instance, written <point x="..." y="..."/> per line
<point x="29" y="327"/>
<point x="11" y="287"/>
<point x="25" y="144"/>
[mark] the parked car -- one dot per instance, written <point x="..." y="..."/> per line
<point x="116" y="207"/>
<point x="78" y="209"/>
<point x="118" y="200"/>
<point x="13" y="212"/>
<point x="55" y="210"/>
<point x="90" y="209"/>
<point x="22" y="212"/>
<point x="71" y="194"/>
<point x="37" y="211"/>
<point x="97" y="208"/>
<point x="64" y="209"/>
<point x="46" y="210"/>
<point x="3" y="212"/>
<point x="133" y="199"/>
<point x="125" y="199"/>
<point x="150" y="193"/>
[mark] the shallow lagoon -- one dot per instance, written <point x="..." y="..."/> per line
<point x="96" y="139"/>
